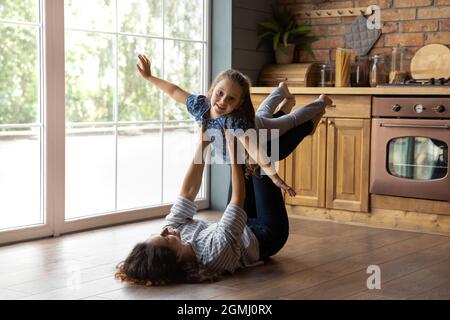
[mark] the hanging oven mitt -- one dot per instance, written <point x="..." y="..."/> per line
<point x="361" y="38"/>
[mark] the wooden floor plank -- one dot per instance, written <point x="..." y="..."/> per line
<point x="419" y="282"/>
<point x="441" y="292"/>
<point x="322" y="260"/>
<point x="69" y="277"/>
<point x="355" y="282"/>
<point x="81" y="291"/>
<point x="322" y="255"/>
<point x="172" y="292"/>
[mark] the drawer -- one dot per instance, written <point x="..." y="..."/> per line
<point x="344" y="106"/>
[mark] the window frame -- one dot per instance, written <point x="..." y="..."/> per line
<point x="53" y="136"/>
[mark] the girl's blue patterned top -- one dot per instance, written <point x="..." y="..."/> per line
<point x="199" y="105"/>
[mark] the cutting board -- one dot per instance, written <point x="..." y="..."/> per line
<point x="431" y="61"/>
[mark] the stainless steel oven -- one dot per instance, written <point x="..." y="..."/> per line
<point x="409" y="147"/>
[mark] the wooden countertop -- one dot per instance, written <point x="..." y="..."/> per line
<point x="436" y="91"/>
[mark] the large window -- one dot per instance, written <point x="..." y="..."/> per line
<point x="125" y="146"/>
<point x="21" y="201"/>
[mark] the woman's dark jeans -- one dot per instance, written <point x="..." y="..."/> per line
<point x="264" y="203"/>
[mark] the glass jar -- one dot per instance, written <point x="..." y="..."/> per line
<point x="378" y="74"/>
<point x="326" y="75"/>
<point x="360" y="72"/>
<point x="398" y="72"/>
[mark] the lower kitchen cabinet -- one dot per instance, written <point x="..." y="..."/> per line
<point x="305" y="169"/>
<point x="331" y="168"/>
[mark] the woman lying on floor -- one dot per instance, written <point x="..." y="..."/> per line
<point x="192" y="250"/>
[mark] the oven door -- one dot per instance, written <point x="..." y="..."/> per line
<point x="409" y="158"/>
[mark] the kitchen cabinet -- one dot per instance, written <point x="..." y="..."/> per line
<point x="347" y="170"/>
<point x="330" y="172"/>
<point x="305" y="169"/>
<point x="330" y="169"/>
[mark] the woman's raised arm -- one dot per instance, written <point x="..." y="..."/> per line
<point x="237" y="176"/>
<point x="193" y="178"/>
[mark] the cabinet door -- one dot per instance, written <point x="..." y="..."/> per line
<point x="348" y="147"/>
<point x="305" y="169"/>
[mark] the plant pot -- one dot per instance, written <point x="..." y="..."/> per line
<point x="286" y="56"/>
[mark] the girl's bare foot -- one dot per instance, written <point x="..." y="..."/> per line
<point x="326" y="99"/>
<point x="289" y="102"/>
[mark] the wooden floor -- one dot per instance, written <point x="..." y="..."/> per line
<point x="322" y="260"/>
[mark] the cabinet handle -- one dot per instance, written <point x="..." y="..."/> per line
<point x="322" y="121"/>
<point x="331" y="122"/>
<point x="430" y="126"/>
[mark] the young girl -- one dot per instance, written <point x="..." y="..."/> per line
<point x="229" y="106"/>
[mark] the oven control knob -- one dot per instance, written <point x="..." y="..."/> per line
<point x="419" y="108"/>
<point x="396" y="107"/>
<point x="439" y="109"/>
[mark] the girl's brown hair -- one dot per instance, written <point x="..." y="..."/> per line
<point x="245" y="109"/>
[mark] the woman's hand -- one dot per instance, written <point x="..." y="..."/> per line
<point x="282" y="185"/>
<point x="144" y="67"/>
<point x="202" y="145"/>
<point x="201" y="136"/>
<point x="231" y="142"/>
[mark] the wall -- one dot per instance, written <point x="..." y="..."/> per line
<point x="413" y="23"/>
<point x="234" y="45"/>
<point x="246" y="15"/>
<point x="221" y="59"/>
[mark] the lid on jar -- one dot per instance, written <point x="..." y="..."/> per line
<point x="378" y="56"/>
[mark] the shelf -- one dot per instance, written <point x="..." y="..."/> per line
<point x="330" y="13"/>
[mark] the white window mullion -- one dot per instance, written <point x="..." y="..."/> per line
<point x="42" y="113"/>
<point x="116" y="107"/>
<point x="55" y="113"/>
<point x="163" y="110"/>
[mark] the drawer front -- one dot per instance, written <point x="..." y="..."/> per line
<point x="344" y="106"/>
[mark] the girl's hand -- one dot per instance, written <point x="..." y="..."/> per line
<point x="144" y="67"/>
<point x="282" y="185"/>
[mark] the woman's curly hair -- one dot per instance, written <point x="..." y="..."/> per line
<point x="153" y="265"/>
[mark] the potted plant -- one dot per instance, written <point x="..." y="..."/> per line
<point x="284" y="34"/>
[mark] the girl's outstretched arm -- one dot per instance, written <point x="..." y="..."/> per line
<point x="193" y="178"/>
<point x="265" y="163"/>
<point x="169" y="88"/>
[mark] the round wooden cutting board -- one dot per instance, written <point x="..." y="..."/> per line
<point x="431" y="61"/>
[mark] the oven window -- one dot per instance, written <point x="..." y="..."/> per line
<point x="417" y="158"/>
